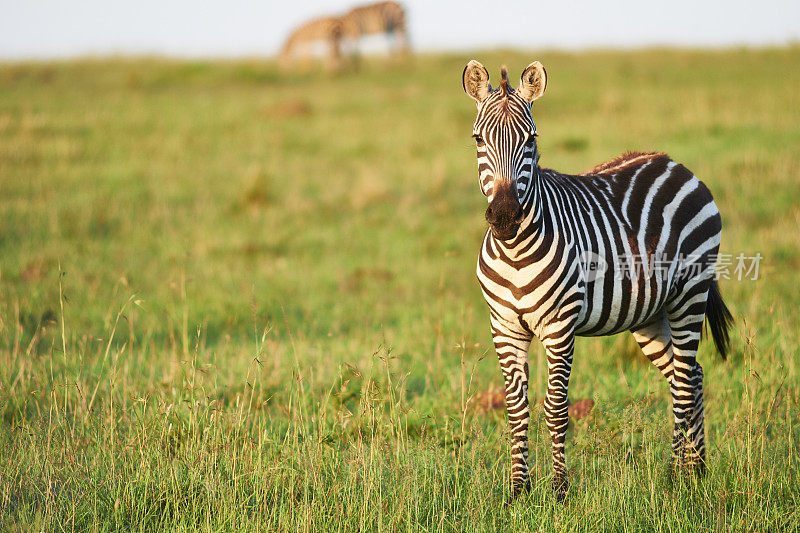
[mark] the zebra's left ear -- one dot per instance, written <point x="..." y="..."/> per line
<point x="532" y="82"/>
<point x="476" y="81"/>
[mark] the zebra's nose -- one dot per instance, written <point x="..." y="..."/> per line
<point x="504" y="210"/>
<point x="493" y="215"/>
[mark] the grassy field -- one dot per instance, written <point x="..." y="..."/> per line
<point x="234" y="298"/>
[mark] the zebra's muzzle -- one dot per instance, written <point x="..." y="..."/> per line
<point x="505" y="234"/>
<point x="504" y="213"/>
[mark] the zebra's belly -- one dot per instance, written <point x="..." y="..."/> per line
<point x="615" y="305"/>
<point x="612" y="328"/>
<point x="598" y="315"/>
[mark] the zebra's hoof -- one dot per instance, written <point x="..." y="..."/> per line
<point x="679" y="472"/>
<point x="560" y="487"/>
<point x="697" y="468"/>
<point x="518" y="488"/>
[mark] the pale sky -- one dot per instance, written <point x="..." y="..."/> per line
<point x="60" y="28"/>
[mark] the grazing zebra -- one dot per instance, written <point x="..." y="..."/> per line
<point x="327" y="30"/>
<point x="377" y="18"/>
<point x="381" y="17"/>
<point x="642" y="210"/>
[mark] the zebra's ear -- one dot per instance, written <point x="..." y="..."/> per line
<point x="532" y="82"/>
<point x="476" y="81"/>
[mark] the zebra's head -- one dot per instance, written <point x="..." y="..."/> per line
<point x="506" y="137"/>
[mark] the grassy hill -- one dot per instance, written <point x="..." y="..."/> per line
<point x="233" y="297"/>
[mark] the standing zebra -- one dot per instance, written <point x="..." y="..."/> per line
<point x="642" y="210"/>
<point x="325" y="30"/>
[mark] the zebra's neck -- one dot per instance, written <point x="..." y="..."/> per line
<point x="532" y="201"/>
<point x="532" y="209"/>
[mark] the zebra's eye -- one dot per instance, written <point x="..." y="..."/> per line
<point x="478" y="138"/>
<point x="531" y="138"/>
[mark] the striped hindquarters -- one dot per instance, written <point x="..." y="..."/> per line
<point x="656" y="225"/>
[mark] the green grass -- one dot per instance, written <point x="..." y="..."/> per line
<point x="234" y="298"/>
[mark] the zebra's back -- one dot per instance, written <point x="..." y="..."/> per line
<point x="319" y="29"/>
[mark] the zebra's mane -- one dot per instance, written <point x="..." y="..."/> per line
<point x="504" y="88"/>
<point x="616" y="164"/>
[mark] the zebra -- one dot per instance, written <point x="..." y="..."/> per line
<point x="327" y="30"/>
<point x="380" y="17"/>
<point x="377" y="18"/>
<point x="541" y="272"/>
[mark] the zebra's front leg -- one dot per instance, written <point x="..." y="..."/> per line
<point x="556" y="406"/>
<point x="512" y="351"/>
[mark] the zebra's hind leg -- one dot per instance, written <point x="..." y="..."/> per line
<point x="685" y="314"/>
<point x="695" y="458"/>
<point x="512" y="351"/>
<point x="655" y="340"/>
<point x="556" y="407"/>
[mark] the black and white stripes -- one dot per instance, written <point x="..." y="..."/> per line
<point x="647" y="220"/>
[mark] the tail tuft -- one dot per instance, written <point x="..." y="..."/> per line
<point x="719" y="319"/>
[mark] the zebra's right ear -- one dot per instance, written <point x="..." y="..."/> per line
<point x="476" y="81"/>
<point x="532" y="82"/>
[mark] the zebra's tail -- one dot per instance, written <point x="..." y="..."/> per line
<point x="719" y="319"/>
